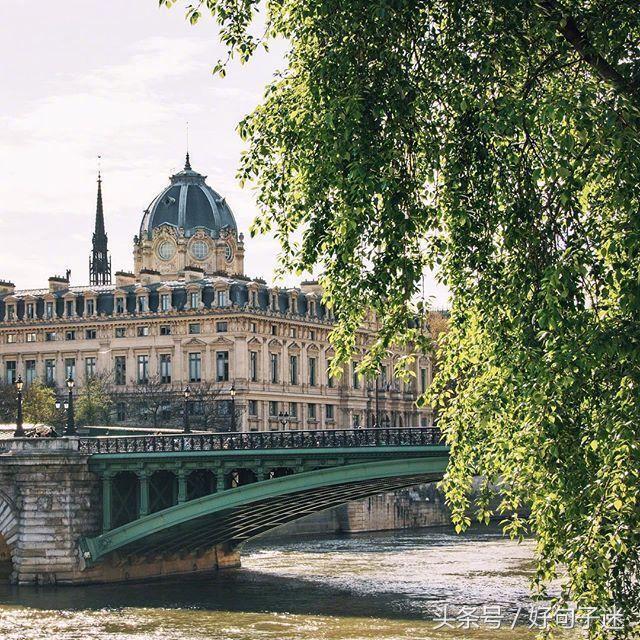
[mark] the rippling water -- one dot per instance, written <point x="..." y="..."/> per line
<point x="372" y="586"/>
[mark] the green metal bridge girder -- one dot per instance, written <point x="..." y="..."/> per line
<point x="236" y="515"/>
<point x="111" y="463"/>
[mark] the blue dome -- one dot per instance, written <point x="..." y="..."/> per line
<point x="190" y="204"/>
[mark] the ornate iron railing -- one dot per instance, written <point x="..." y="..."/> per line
<point x="331" y="438"/>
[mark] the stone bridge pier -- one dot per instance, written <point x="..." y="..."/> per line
<point x="49" y="500"/>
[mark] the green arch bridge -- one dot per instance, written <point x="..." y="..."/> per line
<point x="177" y="494"/>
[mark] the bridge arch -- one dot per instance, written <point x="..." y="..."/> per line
<point x="8" y="534"/>
<point x="234" y="516"/>
<point x="240" y="476"/>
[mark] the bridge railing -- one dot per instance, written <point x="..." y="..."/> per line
<point x="326" y="439"/>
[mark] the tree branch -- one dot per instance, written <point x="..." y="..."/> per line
<point x="569" y="29"/>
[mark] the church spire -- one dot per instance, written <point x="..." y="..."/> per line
<point x="99" y="262"/>
<point x="99" y="230"/>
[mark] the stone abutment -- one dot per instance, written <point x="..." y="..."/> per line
<point x="49" y="499"/>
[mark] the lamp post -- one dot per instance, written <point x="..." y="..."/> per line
<point x="19" y="432"/>
<point x="185" y="417"/>
<point x="232" y="392"/>
<point x="377" y="404"/>
<point x="71" y="423"/>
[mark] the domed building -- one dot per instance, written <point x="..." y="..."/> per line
<point x="189" y="224"/>
<point x="187" y="316"/>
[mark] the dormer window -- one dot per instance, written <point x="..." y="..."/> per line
<point x="254" y="298"/>
<point x="48" y="310"/>
<point x="194" y="299"/>
<point x="274" y="301"/>
<point x="143" y="304"/>
<point x="31" y="310"/>
<point x="312" y="308"/>
<point x="91" y="307"/>
<point x="120" y="306"/>
<point x="11" y="312"/>
<point x="69" y="308"/>
<point x="165" y="302"/>
<point x="222" y="298"/>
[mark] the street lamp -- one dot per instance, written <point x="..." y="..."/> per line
<point x="232" y="392"/>
<point x="284" y="417"/>
<point x="185" y="417"/>
<point x="19" y="432"/>
<point x="71" y="423"/>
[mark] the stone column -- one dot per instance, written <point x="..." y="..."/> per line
<point x="132" y="367"/>
<point x="59" y="377"/>
<point x="208" y="364"/>
<point x="104" y="363"/>
<point x="240" y="363"/>
<point x="154" y="368"/>
<point x="265" y="370"/>
<point x="303" y="369"/>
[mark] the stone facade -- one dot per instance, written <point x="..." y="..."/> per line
<point x="188" y="315"/>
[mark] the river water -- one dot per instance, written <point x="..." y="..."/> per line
<point x="383" y="586"/>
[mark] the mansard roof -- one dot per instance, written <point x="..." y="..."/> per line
<point x="239" y="288"/>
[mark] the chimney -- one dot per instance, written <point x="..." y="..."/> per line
<point x="149" y="276"/>
<point x="58" y="283"/>
<point x="311" y="286"/>
<point x="7" y="287"/>
<point x="124" y="278"/>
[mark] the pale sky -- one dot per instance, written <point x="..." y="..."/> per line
<point x="119" y="78"/>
